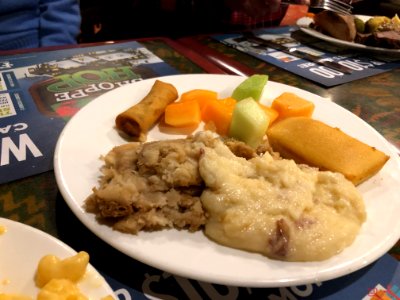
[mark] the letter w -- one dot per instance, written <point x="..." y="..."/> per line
<point x="8" y="146"/>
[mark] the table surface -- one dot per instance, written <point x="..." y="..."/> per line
<point x="36" y="200"/>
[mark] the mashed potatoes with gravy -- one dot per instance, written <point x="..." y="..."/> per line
<point x="275" y="207"/>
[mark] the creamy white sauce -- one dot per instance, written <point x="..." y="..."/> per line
<point x="277" y="208"/>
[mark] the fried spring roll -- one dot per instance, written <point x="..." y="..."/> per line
<point x="137" y="120"/>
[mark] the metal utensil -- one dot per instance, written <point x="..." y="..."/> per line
<point x="251" y="37"/>
<point x="337" y="6"/>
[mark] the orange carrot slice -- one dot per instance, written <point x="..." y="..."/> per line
<point x="290" y="105"/>
<point x="181" y="130"/>
<point x="183" y="114"/>
<point x="219" y="112"/>
<point x="229" y="102"/>
<point x="200" y="95"/>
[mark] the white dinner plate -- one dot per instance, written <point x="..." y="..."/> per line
<point x="22" y="247"/>
<point x="305" y="22"/>
<point x="91" y="133"/>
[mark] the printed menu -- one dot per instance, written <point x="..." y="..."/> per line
<point x="360" y="66"/>
<point x="41" y="91"/>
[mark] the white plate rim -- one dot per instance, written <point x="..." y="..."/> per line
<point x="304" y="23"/>
<point x="313" y="272"/>
<point x="92" y="285"/>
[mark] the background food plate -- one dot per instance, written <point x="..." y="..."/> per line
<point x="21" y="248"/>
<point x="305" y="22"/>
<point x="91" y="133"/>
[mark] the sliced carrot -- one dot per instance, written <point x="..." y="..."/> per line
<point x="229" y="102"/>
<point x="270" y="112"/>
<point x="219" y="112"/>
<point x="290" y="105"/>
<point x="183" y="114"/>
<point x="200" y="95"/>
<point x="181" y="130"/>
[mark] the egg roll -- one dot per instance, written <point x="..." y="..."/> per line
<point x="317" y="144"/>
<point x="137" y="120"/>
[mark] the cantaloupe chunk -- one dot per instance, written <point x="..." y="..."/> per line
<point x="290" y="105"/>
<point x="219" y="112"/>
<point x="183" y="114"/>
<point x="202" y="96"/>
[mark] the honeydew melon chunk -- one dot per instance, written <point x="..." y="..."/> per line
<point x="252" y="86"/>
<point x="249" y="122"/>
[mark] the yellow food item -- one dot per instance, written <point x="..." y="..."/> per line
<point x="51" y="267"/>
<point x="396" y="20"/>
<point x="3" y="229"/>
<point x="317" y="144"/>
<point x="375" y="23"/>
<point x="14" y="297"/>
<point x="57" y="279"/>
<point x="277" y="208"/>
<point x="60" y="289"/>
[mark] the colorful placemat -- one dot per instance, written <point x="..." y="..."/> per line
<point x="361" y="66"/>
<point x="41" y="91"/>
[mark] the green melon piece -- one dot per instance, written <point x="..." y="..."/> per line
<point x="249" y="122"/>
<point x="251" y="87"/>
